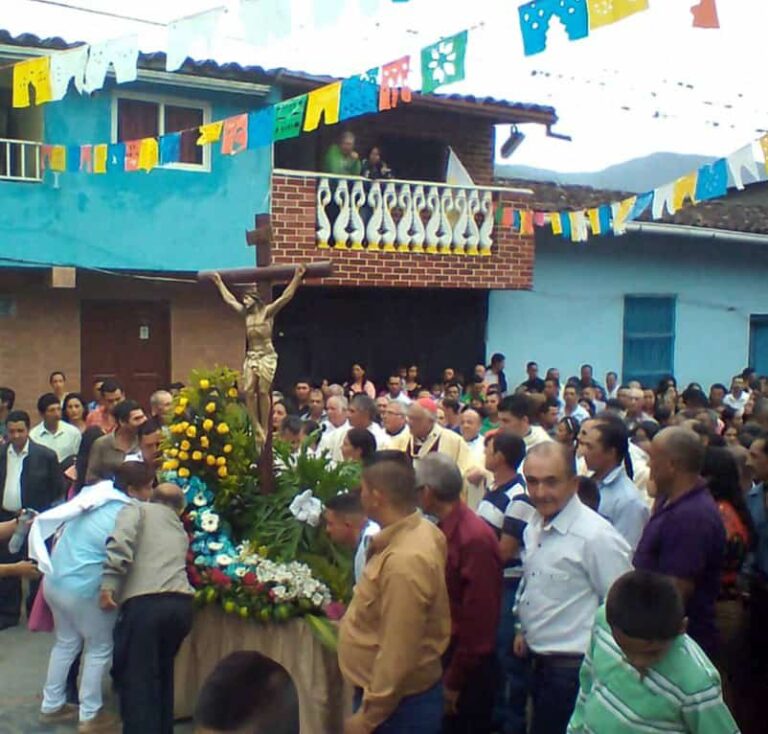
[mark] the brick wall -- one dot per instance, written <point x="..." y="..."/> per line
<point x="510" y="266"/>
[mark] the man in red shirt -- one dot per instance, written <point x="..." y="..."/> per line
<point x="473" y="575"/>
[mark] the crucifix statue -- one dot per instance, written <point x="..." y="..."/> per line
<point x="259" y="311"/>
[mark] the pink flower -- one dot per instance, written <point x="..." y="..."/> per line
<point x="334" y="610"/>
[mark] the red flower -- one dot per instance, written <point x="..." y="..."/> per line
<point x="220" y="579"/>
<point x="250" y="579"/>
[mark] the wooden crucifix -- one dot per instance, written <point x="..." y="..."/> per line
<point x="259" y="311"/>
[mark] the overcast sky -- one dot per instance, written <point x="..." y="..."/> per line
<point x="650" y="83"/>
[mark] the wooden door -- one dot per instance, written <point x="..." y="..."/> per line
<point x="129" y="341"/>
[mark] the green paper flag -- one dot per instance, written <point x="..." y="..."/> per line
<point x="289" y="117"/>
<point x="443" y="62"/>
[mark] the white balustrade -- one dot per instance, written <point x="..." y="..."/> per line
<point x="20" y="160"/>
<point x="403" y="216"/>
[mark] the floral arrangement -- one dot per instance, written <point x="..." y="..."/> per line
<point x="250" y="552"/>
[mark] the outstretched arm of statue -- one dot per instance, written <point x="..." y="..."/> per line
<point x="288" y="293"/>
<point x="226" y="294"/>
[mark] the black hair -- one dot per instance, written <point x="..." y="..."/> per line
<point x="291" y="424"/>
<point x="613" y="436"/>
<point x="122" y="411"/>
<point x="498" y="357"/>
<point x="309" y="426"/>
<point x="8" y="396"/>
<point x="454" y="383"/>
<point x="650" y="428"/>
<point x="589" y="493"/>
<point x="364" y="440"/>
<point x="454" y="405"/>
<point x="394" y="476"/>
<point x="133" y="474"/>
<point x="74" y="396"/>
<point x="345" y="503"/>
<point x="84" y="454"/>
<point x="249" y="691"/>
<point x="110" y="385"/>
<point x="615" y="374"/>
<point x="512" y="448"/>
<point x="518" y="405"/>
<point x="719" y="386"/>
<point x="590" y="406"/>
<point x="531" y="364"/>
<point x="45" y="401"/>
<point x="646" y="606"/>
<point x="587" y="367"/>
<point x="614" y="404"/>
<point x="611" y="419"/>
<point x="722" y="474"/>
<point x="694" y="397"/>
<point x="54" y="373"/>
<point x="662" y="413"/>
<point x="571" y="425"/>
<point x="18" y="416"/>
<point x="547" y="404"/>
<point x="149" y="426"/>
<point x="366" y="404"/>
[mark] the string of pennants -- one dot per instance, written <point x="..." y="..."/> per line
<point x="377" y="90"/>
<point x="740" y="169"/>
<point x="581" y="17"/>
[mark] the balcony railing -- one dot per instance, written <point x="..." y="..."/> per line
<point x="393" y="215"/>
<point x="20" y="160"/>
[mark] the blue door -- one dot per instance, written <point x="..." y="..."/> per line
<point x="758" y="344"/>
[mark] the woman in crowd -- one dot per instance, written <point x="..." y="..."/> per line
<point x="279" y="414"/>
<point x="71" y="587"/>
<point x="567" y="431"/>
<point x="643" y="433"/>
<point x="412" y="384"/>
<point x="374" y="167"/>
<point x="359" y="445"/>
<point x="359" y="383"/>
<point x="75" y="410"/>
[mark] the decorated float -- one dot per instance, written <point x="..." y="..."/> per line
<point x="265" y="573"/>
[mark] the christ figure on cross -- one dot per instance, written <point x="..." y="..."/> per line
<point x="260" y="357"/>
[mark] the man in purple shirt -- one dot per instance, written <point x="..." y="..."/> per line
<point x="685" y="537"/>
<point x="473" y="575"/>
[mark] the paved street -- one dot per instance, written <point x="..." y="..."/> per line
<point x="23" y="663"/>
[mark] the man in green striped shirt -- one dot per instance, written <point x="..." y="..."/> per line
<point x="642" y="673"/>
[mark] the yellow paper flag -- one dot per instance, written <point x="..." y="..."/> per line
<point x="557" y="225"/>
<point x="36" y="72"/>
<point x="58" y="158"/>
<point x="764" y="146"/>
<point x="100" y="158"/>
<point x="210" y="133"/>
<point x="149" y="154"/>
<point x="605" y="12"/>
<point x="594" y="220"/>
<point x="621" y="212"/>
<point x="685" y="188"/>
<point x="322" y="102"/>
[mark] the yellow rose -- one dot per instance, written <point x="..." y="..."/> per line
<point x="167" y="466"/>
<point x="197" y="456"/>
<point x="184" y="425"/>
<point x="173" y="452"/>
<point x="222" y="471"/>
<point x="204" y="442"/>
<point x="221" y="461"/>
<point x="172" y="464"/>
<point x="192" y="431"/>
<point x="183" y="401"/>
<point x="204" y="384"/>
<point x="178" y="410"/>
<point x="207" y="424"/>
<point x="185" y="445"/>
<point x="232" y="392"/>
<point x="222" y="428"/>
<point x="210" y="460"/>
<point x="183" y="455"/>
<point x="228" y="448"/>
<point x="210" y="407"/>
<point x="183" y="472"/>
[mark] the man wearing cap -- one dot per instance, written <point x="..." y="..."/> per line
<point x="427" y="437"/>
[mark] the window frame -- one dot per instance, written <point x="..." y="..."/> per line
<point x="626" y="336"/>
<point x="163" y="100"/>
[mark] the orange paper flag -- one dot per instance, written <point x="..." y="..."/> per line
<point x="705" y="15"/>
<point x="234" y="136"/>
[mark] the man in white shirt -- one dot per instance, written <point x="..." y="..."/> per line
<point x="571" y="558"/>
<point x="571" y="407"/>
<point x="396" y="391"/>
<point x="515" y="417"/>
<point x="347" y="525"/>
<point x="337" y="410"/>
<point x="62" y="438"/>
<point x="738" y="396"/>
<point x="611" y="386"/>
<point x="395" y="420"/>
<point x="362" y="414"/>
<point x="471" y="423"/>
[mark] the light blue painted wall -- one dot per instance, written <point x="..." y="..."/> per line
<point x="575" y="312"/>
<point x="163" y="220"/>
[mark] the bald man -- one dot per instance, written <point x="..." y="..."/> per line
<point x="146" y="572"/>
<point x="685" y="537"/>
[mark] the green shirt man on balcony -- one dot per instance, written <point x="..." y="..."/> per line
<point x="341" y="158"/>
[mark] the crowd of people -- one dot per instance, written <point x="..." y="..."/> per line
<point x="549" y="557"/>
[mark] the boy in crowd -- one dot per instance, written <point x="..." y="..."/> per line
<point x="642" y="672"/>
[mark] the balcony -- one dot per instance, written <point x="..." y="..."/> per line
<point x="20" y="160"/>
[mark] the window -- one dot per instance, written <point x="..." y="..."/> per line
<point x="649" y="338"/>
<point x="21" y="131"/>
<point x="136" y="117"/>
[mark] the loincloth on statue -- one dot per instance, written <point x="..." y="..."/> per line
<point x="262" y="365"/>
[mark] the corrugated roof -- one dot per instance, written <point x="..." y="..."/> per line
<point x="504" y="110"/>
<point x="739" y="211"/>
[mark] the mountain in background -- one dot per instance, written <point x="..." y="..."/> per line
<point x="636" y="175"/>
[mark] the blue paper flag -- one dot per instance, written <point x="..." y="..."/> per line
<point x="565" y="225"/>
<point x="516" y="220"/>
<point x="73" y="158"/>
<point x="536" y="16"/>
<point x="116" y="157"/>
<point x="358" y="97"/>
<point x="642" y="203"/>
<point x="170" y="148"/>
<point x="713" y="181"/>
<point x="605" y="213"/>
<point x="261" y="126"/>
